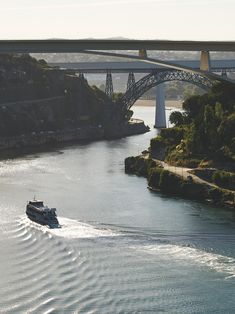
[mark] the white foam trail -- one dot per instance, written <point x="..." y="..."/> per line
<point x="75" y="229"/>
<point x="71" y="229"/>
<point x="219" y="263"/>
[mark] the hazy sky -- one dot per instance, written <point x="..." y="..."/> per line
<point x="140" y="19"/>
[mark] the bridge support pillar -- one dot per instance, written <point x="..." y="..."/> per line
<point x="224" y="74"/>
<point x="160" y="113"/>
<point x="109" y="85"/>
<point x="143" y="53"/>
<point x="81" y="76"/>
<point x="205" y="63"/>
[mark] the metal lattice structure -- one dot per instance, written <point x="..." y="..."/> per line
<point x="131" y="80"/>
<point x="156" y="78"/>
<point x="81" y="76"/>
<point x="109" y="85"/>
<point x="224" y="73"/>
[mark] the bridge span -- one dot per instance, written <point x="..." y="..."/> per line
<point x="157" y="75"/>
<point x="99" y="46"/>
<point x="140" y="66"/>
<point x="78" y="45"/>
<point x="105" y="47"/>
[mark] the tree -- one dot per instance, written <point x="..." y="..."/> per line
<point x="177" y="118"/>
<point x="219" y="111"/>
<point x="210" y="127"/>
<point x="43" y="63"/>
<point x="192" y="106"/>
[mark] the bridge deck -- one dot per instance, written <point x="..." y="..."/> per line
<point x="63" y="45"/>
<point x="140" y="67"/>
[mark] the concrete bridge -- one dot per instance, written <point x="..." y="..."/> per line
<point x="98" y="46"/>
<point x="104" y="46"/>
<point x="78" y="45"/>
<point x="156" y="76"/>
<point x="140" y="66"/>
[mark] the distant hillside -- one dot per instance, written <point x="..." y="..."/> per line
<point x="35" y="97"/>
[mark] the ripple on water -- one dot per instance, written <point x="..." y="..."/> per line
<point x="84" y="268"/>
<point x="219" y="263"/>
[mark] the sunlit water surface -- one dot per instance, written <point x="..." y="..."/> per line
<point x="121" y="248"/>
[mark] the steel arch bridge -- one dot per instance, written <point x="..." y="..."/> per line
<point x="153" y="79"/>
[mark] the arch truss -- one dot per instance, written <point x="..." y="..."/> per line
<point x="131" y="80"/>
<point x="155" y="78"/>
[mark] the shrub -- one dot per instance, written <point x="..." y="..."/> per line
<point x="193" y="190"/>
<point x="177" y="118"/>
<point x="224" y="179"/>
<point x="156" y="143"/>
<point x="175" y="157"/>
<point x="173" y="135"/>
<point x="139" y="165"/>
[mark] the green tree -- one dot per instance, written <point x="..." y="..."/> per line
<point x="210" y="126"/>
<point x="177" y="118"/>
<point x="219" y="111"/>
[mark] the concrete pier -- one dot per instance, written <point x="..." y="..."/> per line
<point x="160" y="113"/>
<point x="205" y="62"/>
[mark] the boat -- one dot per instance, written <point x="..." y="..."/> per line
<point x="42" y="214"/>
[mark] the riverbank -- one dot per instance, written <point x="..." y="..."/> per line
<point x="152" y="103"/>
<point x="44" y="139"/>
<point x="178" y="181"/>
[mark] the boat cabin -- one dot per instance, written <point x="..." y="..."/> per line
<point x="36" y="203"/>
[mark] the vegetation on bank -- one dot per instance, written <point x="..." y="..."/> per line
<point x="24" y="78"/>
<point x="221" y="178"/>
<point x="203" y="133"/>
<point x="171" y="183"/>
<point x="203" y="138"/>
<point x="35" y="97"/>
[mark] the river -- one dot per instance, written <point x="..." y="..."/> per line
<point x="121" y="248"/>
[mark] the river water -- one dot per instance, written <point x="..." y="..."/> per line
<point x="121" y="248"/>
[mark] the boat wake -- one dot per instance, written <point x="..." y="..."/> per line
<point x="217" y="262"/>
<point x="71" y="229"/>
<point x="75" y="229"/>
<point x="51" y="268"/>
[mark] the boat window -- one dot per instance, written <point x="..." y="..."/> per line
<point x="36" y="203"/>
